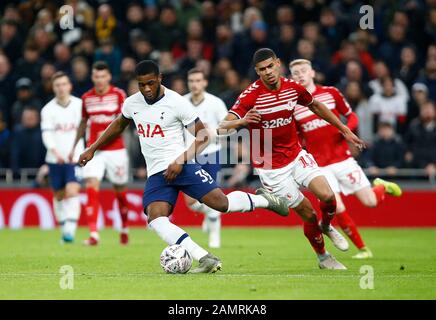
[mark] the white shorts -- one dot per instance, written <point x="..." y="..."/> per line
<point x="286" y="181"/>
<point x="345" y="176"/>
<point x="114" y="162"/>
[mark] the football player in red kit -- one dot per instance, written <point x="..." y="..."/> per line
<point x="333" y="155"/>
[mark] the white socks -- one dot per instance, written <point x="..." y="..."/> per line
<point x="71" y="208"/>
<point x="172" y="234"/>
<point x="58" y="209"/>
<point x="243" y="202"/>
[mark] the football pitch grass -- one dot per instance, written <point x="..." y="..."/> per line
<point x="258" y="264"/>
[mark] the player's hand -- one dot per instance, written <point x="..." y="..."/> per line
<point x="70" y="156"/>
<point x="252" y="116"/>
<point x="355" y="140"/>
<point x="59" y="159"/>
<point x="86" y="156"/>
<point x="172" y="171"/>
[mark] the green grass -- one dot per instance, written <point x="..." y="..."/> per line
<point x="258" y="263"/>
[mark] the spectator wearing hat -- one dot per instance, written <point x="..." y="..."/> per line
<point x="420" y="140"/>
<point x="25" y="97"/>
<point x="387" y="151"/>
<point x="419" y="96"/>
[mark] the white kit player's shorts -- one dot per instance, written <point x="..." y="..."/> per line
<point x="345" y="176"/>
<point x="114" y="162"/>
<point x="286" y="181"/>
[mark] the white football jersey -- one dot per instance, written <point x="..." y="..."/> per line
<point x="160" y="127"/>
<point x="59" y="127"/>
<point x="212" y="110"/>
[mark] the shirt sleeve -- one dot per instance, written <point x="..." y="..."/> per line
<point x="341" y="104"/>
<point x="186" y="112"/>
<point x="221" y="111"/>
<point x="125" y="110"/>
<point x="243" y="104"/>
<point x="47" y="128"/>
<point x="84" y="112"/>
<point x="304" y="96"/>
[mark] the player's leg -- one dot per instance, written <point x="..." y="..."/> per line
<point x="117" y="166"/>
<point x="307" y="173"/>
<point x="349" y="227"/>
<point x="71" y="204"/>
<point x="305" y="210"/>
<point x="57" y="183"/>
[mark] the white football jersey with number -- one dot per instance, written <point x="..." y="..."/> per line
<point x="160" y="127"/>
<point x="59" y="127"/>
<point x="212" y="110"/>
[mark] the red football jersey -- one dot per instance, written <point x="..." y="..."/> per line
<point x="277" y="111"/>
<point x="101" y="110"/>
<point x="323" y="140"/>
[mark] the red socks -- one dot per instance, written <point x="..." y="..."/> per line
<point x="124" y="207"/>
<point x="314" y="235"/>
<point x="328" y="211"/>
<point x="380" y="193"/>
<point x="347" y="224"/>
<point x="92" y="208"/>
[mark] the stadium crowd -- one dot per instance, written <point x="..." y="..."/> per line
<point x="387" y="74"/>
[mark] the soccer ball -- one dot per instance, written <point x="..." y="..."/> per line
<point x="175" y="259"/>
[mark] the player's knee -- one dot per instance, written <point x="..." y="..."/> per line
<point x="370" y="202"/>
<point x="306" y="212"/>
<point x="326" y="196"/>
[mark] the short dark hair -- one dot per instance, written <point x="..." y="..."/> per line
<point x="101" y="65"/>
<point x="146" y="67"/>
<point x="197" y="70"/>
<point x="263" y="54"/>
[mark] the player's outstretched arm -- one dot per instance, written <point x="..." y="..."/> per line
<point x="79" y="135"/>
<point x="114" y="130"/>
<point x="321" y="110"/>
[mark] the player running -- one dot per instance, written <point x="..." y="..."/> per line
<point x="60" y="119"/>
<point x="160" y="116"/>
<point x="101" y="105"/>
<point x="268" y="105"/>
<point x="333" y="155"/>
<point x="211" y="111"/>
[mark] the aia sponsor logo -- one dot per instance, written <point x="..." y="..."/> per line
<point x="65" y="127"/>
<point x="150" y="131"/>
<point x="314" y="124"/>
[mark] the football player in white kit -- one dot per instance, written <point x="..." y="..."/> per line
<point x="211" y="111"/>
<point x="60" y="119"/>
<point x="160" y="116"/>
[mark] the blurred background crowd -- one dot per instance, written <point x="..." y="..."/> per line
<point x="387" y="74"/>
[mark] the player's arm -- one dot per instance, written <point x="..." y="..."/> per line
<point x="48" y="140"/>
<point x="322" y="111"/>
<point x="202" y="138"/>
<point x="232" y="122"/>
<point x="114" y="130"/>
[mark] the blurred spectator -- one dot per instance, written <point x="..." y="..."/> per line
<point x="194" y="52"/>
<point x="209" y="20"/>
<point x="390" y="50"/>
<point x="332" y="29"/>
<point x="62" y="54"/>
<point x="306" y="50"/>
<point x="166" y="32"/>
<point x="25" y="97"/>
<point x="142" y="48"/>
<point x="178" y="85"/>
<point x="409" y="68"/>
<point x="419" y="97"/>
<point x="429" y="78"/>
<point x="354" y="72"/>
<point x="43" y="89"/>
<point x="232" y="89"/>
<point x="27" y="149"/>
<point x="387" y="151"/>
<point x="312" y="33"/>
<point x="168" y="67"/>
<point x="44" y="41"/>
<point x="29" y="66"/>
<point x="382" y="71"/>
<point x="7" y="87"/>
<point x="85" y="48"/>
<point x="389" y="106"/>
<point x="127" y="73"/>
<point x="5" y="137"/>
<point x="106" y="24"/>
<point x="307" y="10"/>
<point x="286" y="43"/>
<point x="420" y="140"/>
<point x="110" y="54"/>
<point x="224" y="42"/>
<point x="10" y="40"/>
<point x="359" y="103"/>
<point x="80" y="76"/>
<point x="187" y="10"/>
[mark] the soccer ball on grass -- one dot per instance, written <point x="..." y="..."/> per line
<point x="175" y="259"/>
